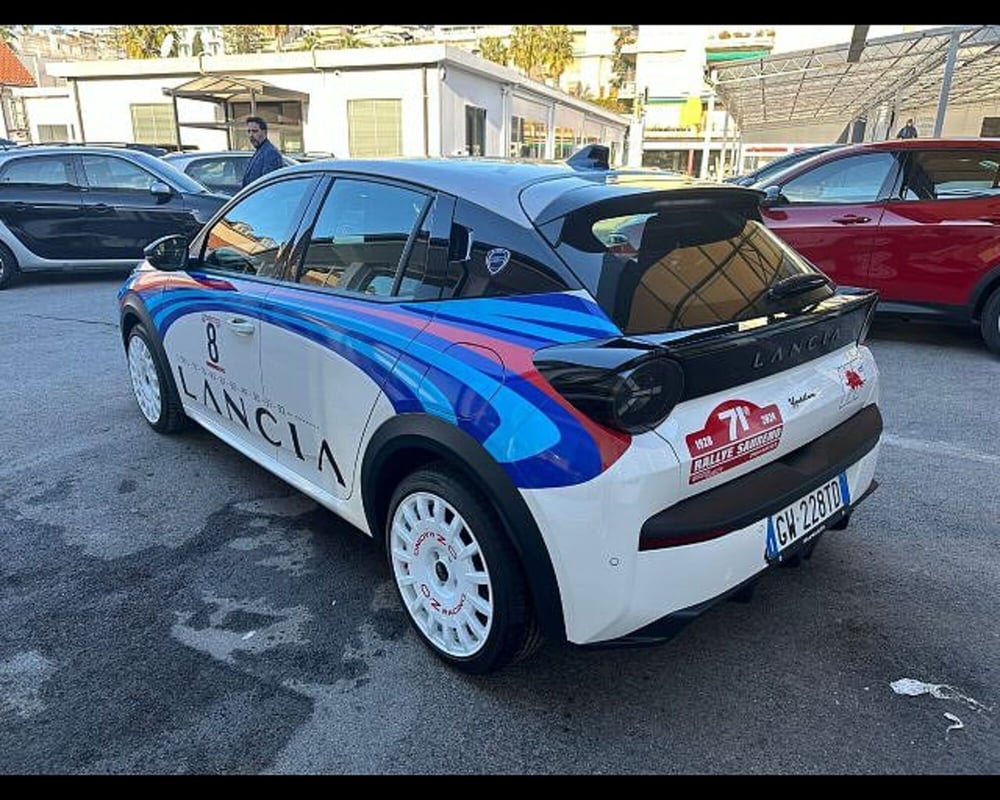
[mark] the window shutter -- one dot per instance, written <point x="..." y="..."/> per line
<point x="153" y="123"/>
<point x="375" y="128"/>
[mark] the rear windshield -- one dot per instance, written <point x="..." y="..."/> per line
<point x="659" y="271"/>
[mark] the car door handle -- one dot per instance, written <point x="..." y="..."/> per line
<point x="991" y="220"/>
<point x="241" y="326"/>
<point x="851" y="219"/>
<point x="99" y="208"/>
<point x="20" y="207"/>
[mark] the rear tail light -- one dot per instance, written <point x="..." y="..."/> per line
<point x="633" y="397"/>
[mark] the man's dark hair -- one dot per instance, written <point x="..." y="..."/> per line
<point x="261" y="122"/>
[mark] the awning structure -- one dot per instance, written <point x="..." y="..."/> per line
<point x="229" y="89"/>
<point x="225" y="89"/>
<point x="901" y="71"/>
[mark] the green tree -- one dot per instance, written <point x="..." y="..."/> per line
<point x="197" y="45"/>
<point x="492" y="48"/>
<point x="242" y="38"/>
<point x="144" y="41"/>
<point x="622" y="65"/>
<point x="526" y="48"/>
<point x="8" y="37"/>
<point x="542" y="51"/>
<point x="557" y="50"/>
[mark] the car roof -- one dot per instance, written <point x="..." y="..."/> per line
<point x="887" y="146"/>
<point x="43" y="149"/>
<point x="498" y="184"/>
<point x="936" y="143"/>
<point x="191" y="154"/>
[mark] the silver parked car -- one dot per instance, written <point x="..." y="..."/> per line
<point x="219" y="170"/>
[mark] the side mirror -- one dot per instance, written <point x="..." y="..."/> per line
<point x="772" y="197"/>
<point x="168" y="253"/>
<point x="160" y="189"/>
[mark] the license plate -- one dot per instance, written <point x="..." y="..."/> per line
<point x="797" y="522"/>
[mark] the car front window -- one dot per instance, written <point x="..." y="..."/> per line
<point x="361" y="235"/>
<point x="108" y="172"/>
<point x="249" y="237"/>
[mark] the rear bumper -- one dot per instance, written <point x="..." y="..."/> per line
<point x="670" y="625"/>
<point x="765" y="491"/>
<point x="612" y="590"/>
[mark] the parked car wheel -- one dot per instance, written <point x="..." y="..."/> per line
<point x="155" y="395"/>
<point x="8" y="267"/>
<point x="456" y="573"/>
<point x="990" y="322"/>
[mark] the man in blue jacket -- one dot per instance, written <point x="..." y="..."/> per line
<point x="266" y="156"/>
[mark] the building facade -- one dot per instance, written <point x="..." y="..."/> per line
<point x="417" y="100"/>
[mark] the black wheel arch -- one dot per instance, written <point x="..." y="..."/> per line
<point x="407" y="442"/>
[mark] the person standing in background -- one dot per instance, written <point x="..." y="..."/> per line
<point x="908" y="131"/>
<point x="266" y="157"/>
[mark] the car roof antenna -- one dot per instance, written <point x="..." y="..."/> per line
<point x="590" y="156"/>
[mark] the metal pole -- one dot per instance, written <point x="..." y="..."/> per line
<point x="706" y="147"/>
<point x="949" y="68"/>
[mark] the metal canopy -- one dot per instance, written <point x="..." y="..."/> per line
<point x="821" y="85"/>
<point x="228" y="89"/>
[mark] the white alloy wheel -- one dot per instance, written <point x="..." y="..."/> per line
<point x="145" y="379"/>
<point x="441" y="574"/>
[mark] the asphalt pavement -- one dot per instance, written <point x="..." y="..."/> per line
<point x="168" y="607"/>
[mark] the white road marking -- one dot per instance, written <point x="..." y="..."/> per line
<point x="940" y="448"/>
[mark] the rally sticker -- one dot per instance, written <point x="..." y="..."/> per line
<point x="852" y="378"/>
<point x="735" y="432"/>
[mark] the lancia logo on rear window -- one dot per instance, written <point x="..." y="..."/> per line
<point x="496" y="259"/>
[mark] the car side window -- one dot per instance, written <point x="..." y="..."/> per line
<point x="38" y="170"/>
<point x="218" y="173"/>
<point x="251" y="235"/>
<point x="853" y="179"/>
<point x="361" y="235"/>
<point x="943" y="174"/>
<point x="493" y="257"/>
<point x="108" y="172"/>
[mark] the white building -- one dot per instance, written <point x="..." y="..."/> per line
<point x="418" y="100"/>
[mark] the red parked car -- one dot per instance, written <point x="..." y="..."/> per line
<point x="916" y="219"/>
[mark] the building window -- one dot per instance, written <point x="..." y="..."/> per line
<point x="527" y="138"/>
<point x="53" y="133"/>
<point x="284" y="124"/>
<point x="991" y="127"/>
<point x="375" y="128"/>
<point x="154" y="123"/>
<point x="565" y="143"/>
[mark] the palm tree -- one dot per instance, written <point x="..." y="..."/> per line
<point x="526" y="48"/>
<point x="541" y="50"/>
<point x="144" y="41"/>
<point x="557" y="52"/>
<point x="493" y="49"/>
<point x="242" y="38"/>
<point x="278" y="34"/>
<point x="7" y="36"/>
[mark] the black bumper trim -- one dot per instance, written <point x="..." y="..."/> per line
<point x="764" y="491"/>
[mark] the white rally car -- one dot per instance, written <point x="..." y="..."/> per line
<point x="574" y="402"/>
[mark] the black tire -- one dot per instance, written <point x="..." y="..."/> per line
<point x="8" y="267"/>
<point x="430" y="573"/>
<point x="989" y="322"/>
<point x="154" y="392"/>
